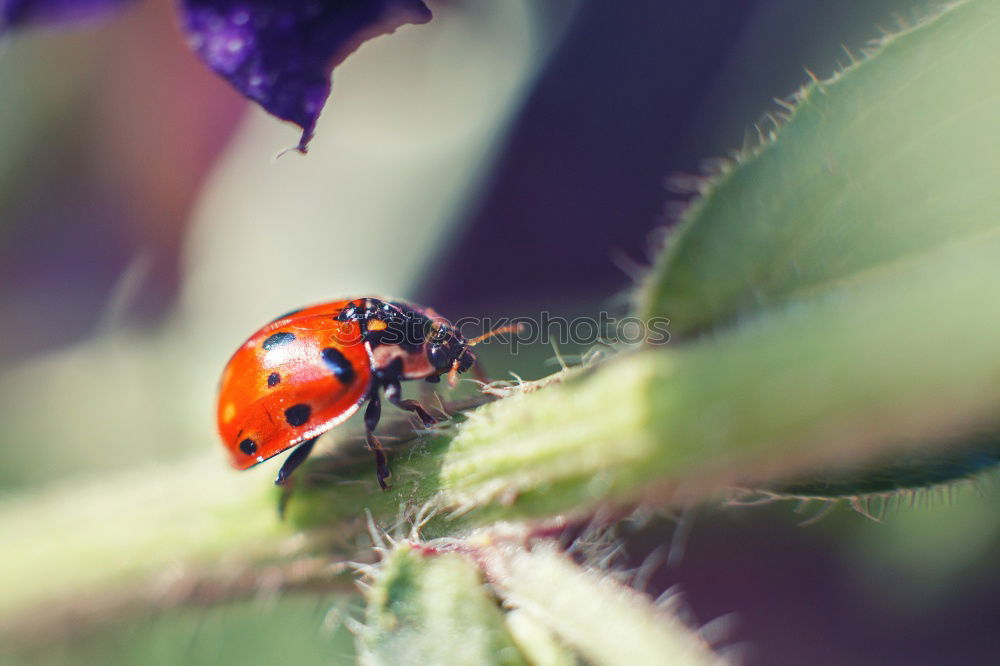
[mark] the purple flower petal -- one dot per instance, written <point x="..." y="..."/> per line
<point x="280" y="53"/>
<point x="18" y="13"/>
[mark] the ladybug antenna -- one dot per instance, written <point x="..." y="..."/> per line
<point x="512" y="328"/>
<point x="453" y="374"/>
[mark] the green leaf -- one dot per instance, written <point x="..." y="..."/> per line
<point x="892" y="158"/>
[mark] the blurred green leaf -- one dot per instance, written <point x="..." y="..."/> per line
<point x="291" y="629"/>
<point x="60" y="545"/>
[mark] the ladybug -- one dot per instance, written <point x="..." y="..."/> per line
<point x="311" y="369"/>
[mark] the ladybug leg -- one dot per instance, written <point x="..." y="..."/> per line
<point x="394" y="394"/>
<point x="296" y="458"/>
<point x="372" y="415"/>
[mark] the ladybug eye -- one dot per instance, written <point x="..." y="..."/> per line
<point x="440" y="333"/>
<point x="438" y="356"/>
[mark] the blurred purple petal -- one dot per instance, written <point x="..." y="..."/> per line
<point x="18" y="13"/>
<point x="280" y="53"/>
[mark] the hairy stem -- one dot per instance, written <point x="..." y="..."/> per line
<point x="607" y="622"/>
<point x="433" y="610"/>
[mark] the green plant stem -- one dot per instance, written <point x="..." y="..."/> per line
<point x="161" y="522"/>
<point x="537" y="642"/>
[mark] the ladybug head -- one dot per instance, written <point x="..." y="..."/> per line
<point x="448" y="351"/>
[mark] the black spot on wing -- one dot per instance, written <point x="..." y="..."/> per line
<point x="248" y="446"/>
<point x="276" y="339"/>
<point x="273" y="379"/>
<point x="341" y="367"/>
<point x="299" y="414"/>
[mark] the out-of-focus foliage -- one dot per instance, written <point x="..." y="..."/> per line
<point x="810" y="337"/>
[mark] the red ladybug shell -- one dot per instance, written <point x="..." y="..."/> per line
<point x="292" y="380"/>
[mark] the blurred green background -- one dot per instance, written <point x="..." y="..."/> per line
<point x="500" y="160"/>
